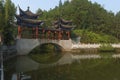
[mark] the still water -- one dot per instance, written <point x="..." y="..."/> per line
<point x="85" y="69"/>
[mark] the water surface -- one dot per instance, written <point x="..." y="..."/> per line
<point x="85" y="69"/>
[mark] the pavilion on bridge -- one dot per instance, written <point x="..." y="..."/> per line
<point x="30" y="27"/>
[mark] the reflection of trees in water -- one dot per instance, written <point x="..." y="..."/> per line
<point x="46" y="48"/>
<point x="9" y="66"/>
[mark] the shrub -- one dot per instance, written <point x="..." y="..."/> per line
<point x="106" y="48"/>
<point x="91" y="37"/>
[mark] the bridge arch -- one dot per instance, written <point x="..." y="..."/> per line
<point x="50" y="46"/>
<point x="57" y="46"/>
<point x="24" y="46"/>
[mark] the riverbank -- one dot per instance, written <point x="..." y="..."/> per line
<point x="80" y="46"/>
<point x="95" y="56"/>
<point x="95" y="48"/>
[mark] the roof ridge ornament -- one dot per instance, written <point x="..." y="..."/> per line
<point x="28" y="8"/>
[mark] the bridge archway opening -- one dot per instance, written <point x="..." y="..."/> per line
<point x="46" y="53"/>
<point x="47" y="48"/>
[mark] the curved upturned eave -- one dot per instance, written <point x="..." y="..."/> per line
<point x="28" y="20"/>
<point x="64" y="27"/>
<point x="27" y="25"/>
<point x="28" y="14"/>
<point x="62" y="21"/>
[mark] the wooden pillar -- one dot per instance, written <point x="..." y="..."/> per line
<point x="36" y="32"/>
<point x="33" y="34"/>
<point x="48" y="35"/>
<point x="43" y="33"/>
<point x="52" y="36"/>
<point x="59" y="35"/>
<point x="62" y="34"/>
<point x="55" y="35"/>
<point x="19" y="32"/>
<point x="68" y="34"/>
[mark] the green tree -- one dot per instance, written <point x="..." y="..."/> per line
<point x="87" y="16"/>
<point x="1" y="16"/>
<point x="116" y="30"/>
<point x="9" y="11"/>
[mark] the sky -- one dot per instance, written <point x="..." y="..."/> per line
<point x="109" y="5"/>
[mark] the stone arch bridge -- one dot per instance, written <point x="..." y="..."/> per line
<point x="24" y="46"/>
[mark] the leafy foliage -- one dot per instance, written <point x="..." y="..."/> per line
<point x="106" y="48"/>
<point x="7" y="11"/>
<point x="91" y="37"/>
<point x="45" y="48"/>
<point x="86" y="16"/>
